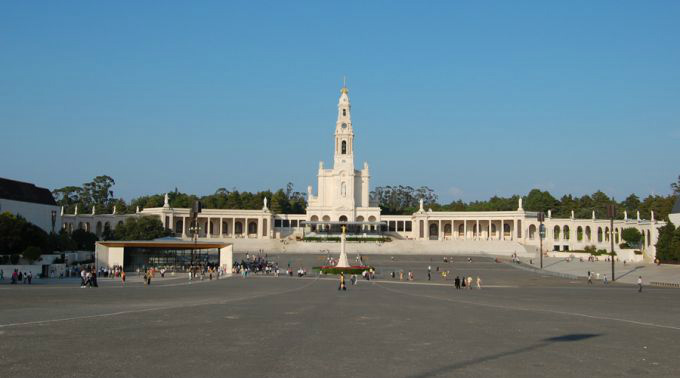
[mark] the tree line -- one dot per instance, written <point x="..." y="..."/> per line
<point x="99" y="193"/>
<point x="404" y="200"/>
<point x="393" y="200"/>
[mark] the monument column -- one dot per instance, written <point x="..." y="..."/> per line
<point x="464" y="229"/>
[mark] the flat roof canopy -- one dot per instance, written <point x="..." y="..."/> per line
<point x="166" y="244"/>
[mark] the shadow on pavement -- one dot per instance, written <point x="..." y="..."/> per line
<point x="544" y="343"/>
<point x="629" y="272"/>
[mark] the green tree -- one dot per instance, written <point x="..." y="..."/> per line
<point x="141" y="228"/>
<point x="631" y="204"/>
<point x="68" y="197"/>
<point x="98" y="192"/>
<point x="538" y="200"/>
<point x="32" y="253"/>
<point x="675" y="244"/>
<point x="632" y="237"/>
<point x="600" y="203"/>
<point x="83" y="240"/>
<point x="675" y="187"/>
<point x="280" y="203"/>
<point x="17" y="234"/>
<point x="664" y="244"/>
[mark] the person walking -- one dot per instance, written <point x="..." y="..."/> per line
<point x="429" y="273"/>
<point x="479" y="282"/>
<point x="590" y="278"/>
<point x="639" y="282"/>
<point x="456" y="283"/>
<point x="342" y="282"/>
<point x="122" y="277"/>
<point x="605" y="280"/>
<point x="469" y="282"/>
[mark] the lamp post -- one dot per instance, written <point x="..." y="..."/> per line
<point x="541" y="234"/>
<point x="193" y="212"/>
<point x="611" y="212"/>
<point x="54" y="219"/>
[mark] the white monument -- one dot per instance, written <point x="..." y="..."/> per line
<point x="342" y="260"/>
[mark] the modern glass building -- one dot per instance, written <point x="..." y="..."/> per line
<point x="172" y="254"/>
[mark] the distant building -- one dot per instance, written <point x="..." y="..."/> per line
<point x="343" y="199"/>
<point x="674" y="216"/>
<point x="31" y="202"/>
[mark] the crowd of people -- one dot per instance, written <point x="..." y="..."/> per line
<point x="18" y="277"/>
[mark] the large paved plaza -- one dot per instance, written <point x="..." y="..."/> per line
<point x="519" y="324"/>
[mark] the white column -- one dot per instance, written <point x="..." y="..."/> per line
<point x="441" y="232"/>
<point x="184" y="227"/>
<point x="233" y="227"/>
<point x="514" y="230"/>
<point x="259" y="227"/>
<point x="478" y="233"/>
<point x="221" y="227"/>
<point x="501" y="232"/>
<point x="465" y="229"/>
<point x="207" y="228"/>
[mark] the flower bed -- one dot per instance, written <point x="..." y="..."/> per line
<point x="356" y="269"/>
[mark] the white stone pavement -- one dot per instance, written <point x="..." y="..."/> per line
<point x="624" y="273"/>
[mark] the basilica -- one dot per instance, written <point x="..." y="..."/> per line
<point x="343" y="198"/>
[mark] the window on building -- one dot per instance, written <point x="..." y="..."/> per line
<point x="344" y="147"/>
<point x="409" y="226"/>
<point x="277" y="222"/>
<point x="344" y="112"/>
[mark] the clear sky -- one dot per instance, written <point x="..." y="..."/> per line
<point x="470" y="98"/>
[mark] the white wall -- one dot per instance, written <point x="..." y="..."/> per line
<point x="36" y="213"/>
<point x="675" y="219"/>
<point x="227" y="258"/>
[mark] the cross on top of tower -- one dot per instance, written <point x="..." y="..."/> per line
<point x="344" y="85"/>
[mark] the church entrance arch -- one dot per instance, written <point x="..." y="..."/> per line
<point x="434" y="231"/>
<point x="252" y="228"/>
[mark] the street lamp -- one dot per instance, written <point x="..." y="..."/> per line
<point x="193" y="212"/>
<point x="54" y="219"/>
<point x="541" y="234"/>
<point x="611" y="213"/>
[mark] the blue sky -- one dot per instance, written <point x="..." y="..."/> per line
<point x="470" y="98"/>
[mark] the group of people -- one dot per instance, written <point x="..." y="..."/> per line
<point x="466" y="282"/>
<point x="18" y="276"/>
<point x="88" y="278"/>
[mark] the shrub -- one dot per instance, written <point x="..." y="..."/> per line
<point x="336" y="270"/>
<point x="32" y="253"/>
<point x="632" y="236"/>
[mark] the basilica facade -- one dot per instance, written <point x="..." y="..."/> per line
<point x="343" y="199"/>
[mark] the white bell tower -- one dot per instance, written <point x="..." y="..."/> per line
<point x="344" y="135"/>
